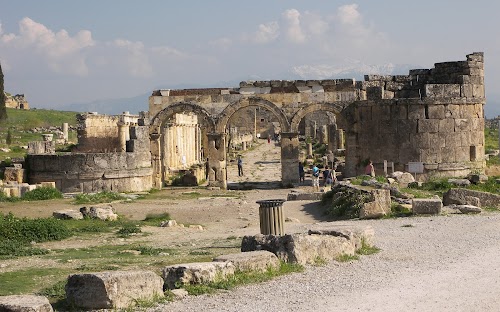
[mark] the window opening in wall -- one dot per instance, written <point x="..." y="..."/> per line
<point x="426" y="108"/>
<point x="262" y="120"/>
<point x="472" y="153"/>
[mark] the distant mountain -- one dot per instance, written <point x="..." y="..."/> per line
<point x="350" y="69"/>
<point x="113" y="106"/>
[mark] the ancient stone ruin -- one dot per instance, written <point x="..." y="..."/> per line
<point x="431" y="119"/>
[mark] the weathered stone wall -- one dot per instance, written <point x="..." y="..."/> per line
<point x="125" y="171"/>
<point x="434" y="116"/>
<point x="17" y="101"/>
<point x="441" y="123"/>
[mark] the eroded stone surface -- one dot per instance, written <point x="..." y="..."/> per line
<point x="195" y="273"/>
<point x="24" y="303"/>
<point x="259" y="260"/>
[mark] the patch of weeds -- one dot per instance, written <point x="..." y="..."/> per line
<point x="408" y="225"/>
<point x="359" y="179"/>
<point x="96" y="267"/>
<point x="346" y="258"/>
<point x="490" y="186"/>
<point x="200" y="253"/>
<point x="5" y="199"/>
<point x="147" y="303"/>
<point x="243" y="278"/>
<point x="398" y="210"/>
<point x="12" y="248"/>
<point x="347" y="203"/>
<point x="232" y="237"/>
<point x="319" y="261"/>
<point x="128" y="229"/>
<point x="156" y="218"/>
<point x="55" y="291"/>
<point x="493" y="161"/>
<point x="490" y="208"/>
<point x="151" y="251"/>
<point x="367" y="249"/>
<point x="381" y="179"/>
<point x="42" y="193"/>
<point x="97" y="198"/>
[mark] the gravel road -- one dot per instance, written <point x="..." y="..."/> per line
<point x="439" y="263"/>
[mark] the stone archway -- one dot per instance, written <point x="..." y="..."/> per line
<point x="194" y="138"/>
<point x="230" y="110"/>
<point x="336" y="108"/>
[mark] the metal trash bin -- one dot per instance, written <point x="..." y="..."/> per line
<point x="271" y="216"/>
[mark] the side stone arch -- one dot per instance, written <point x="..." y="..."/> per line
<point x="161" y="153"/>
<point x="225" y="115"/>
<point x="335" y="108"/>
<point x="180" y="108"/>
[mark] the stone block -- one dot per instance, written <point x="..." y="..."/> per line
<point x="374" y="93"/>
<point x="466" y="90"/>
<point x="416" y="112"/>
<point x="426" y="206"/>
<point x="323" y="241"/>
<point x="67" y="214"/>
<point x="461" y="196"/>
<point x="25" y="303"/>
<point x="433" y="90"/>
<point x="259" y="260"/>
<point x="446" y="125"/>
<point x="451" y="90"/>
<point x="196" y="273"/>
<point x="48" y="184"/>
<point x="428" y="125"/>
<point x="304" y="196"/>
<point x="478" y="91"/>
<point x="12" y="174"/>
<point x="113" y="289"/>
<point x="462" y="125"/>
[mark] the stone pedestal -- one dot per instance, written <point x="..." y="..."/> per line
<point x="340" y="139"/>
<point x="332" y="137"/>
<point x="324" y="134"/>
<point x="156" y="160"/>
<point x="217" y="160"/>
<point x="309" y="150"/>
<point x="289" y="157"/>
<point x="65" y="128"/>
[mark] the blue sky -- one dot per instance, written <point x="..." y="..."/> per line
<point x="62" y="52"/>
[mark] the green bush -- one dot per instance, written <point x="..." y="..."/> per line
<point x="97" y="198"/>
<point x="42" y="193"/>
<point x="347" y="203"/>
<point x="128" y="229"/>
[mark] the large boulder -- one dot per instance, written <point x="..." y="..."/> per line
<point x="402" y="178"/>
<point x="379" y="207"/>
<point x="259" y="260"/>
<point x="460" y="196"/>
<point x="24" y="303"/>
<point x="101" y="211"/>
<point x="320" y="242"/>
<point x="112" y="289"/>
<point x="195" y="273"/>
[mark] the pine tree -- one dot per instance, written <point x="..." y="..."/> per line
<point x="9" y="137"/>
<point x="3" y="110"/>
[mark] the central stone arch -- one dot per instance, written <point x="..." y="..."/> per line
<point x="225" y="115"/>
<point x="162" y="141"/>
<point x="335" y="108"/>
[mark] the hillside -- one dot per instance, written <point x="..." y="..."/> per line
<point x="22" y="123"/>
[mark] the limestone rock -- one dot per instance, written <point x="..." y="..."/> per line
<point x="196" y="273"/>
<point x="294" y="195"/>
<point x="460" y="196"/>
<point x="402" y="178"/>
<point x="478" y="178"/>
<point x="426" y="206"/>
<point x="292" y="220"/>
<point x="179" y="293"/>
<point x="468" y="209"/>
<point x="67" y="214"/>
<point x="459" y="182"/>
<point x="112" y="289"/>
<point x="379" y="207"/>
<point x="168" y="223"/>
<point x="102" y="211"/>
<point x="24" y="303"/>
<point x="259" y="260"/>
<point x="325" y="241"/>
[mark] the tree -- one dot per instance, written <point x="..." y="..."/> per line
<point x="9" y="137"/>
<point x="3" y="109"/>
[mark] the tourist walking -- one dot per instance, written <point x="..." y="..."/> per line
<point x="327" y="178"/>
<point x="370" y="170"/>
<point x="240" y="166"/>
<point x="315" y="178"/>
<point x="302" y="173"/>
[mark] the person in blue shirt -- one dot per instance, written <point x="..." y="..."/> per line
<point x="315" y="178"/>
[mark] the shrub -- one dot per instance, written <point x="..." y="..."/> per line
<point x="129" y="229"/>
<point x="97" y="198"/>
<point x="347" y="203"/>
<point x="42" y="193"/>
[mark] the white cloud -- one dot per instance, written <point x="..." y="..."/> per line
<point x="221" y="43"/>
<point x="266" y="33"/>
<point x="294" y="32"/>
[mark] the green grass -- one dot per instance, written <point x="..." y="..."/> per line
<point x="243" y="278"/>
<point x="490" y="139"/>
<point x="347" y="258"/>
<point x="367" y="249"/>
<point x="97" y="198"/>
<point x="30" y="280"/>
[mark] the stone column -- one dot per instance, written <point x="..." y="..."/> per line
<point x="324" y="134"/>
<point x="156" y="160"/>
<point x="122" y="136"/>
<point x="217" y="160"/>
<point x="309" y="150"/>
<point x="244" y="145"/>
<point x="289" y="157"/>
<point x="65" y="128"/>
<point x="340" y="134"/>
<point x="332" y="137"/>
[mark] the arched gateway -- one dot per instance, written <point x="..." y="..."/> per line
<point x="401" y="119"/>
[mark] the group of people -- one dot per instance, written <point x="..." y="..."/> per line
<point x="329" y="176"/>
